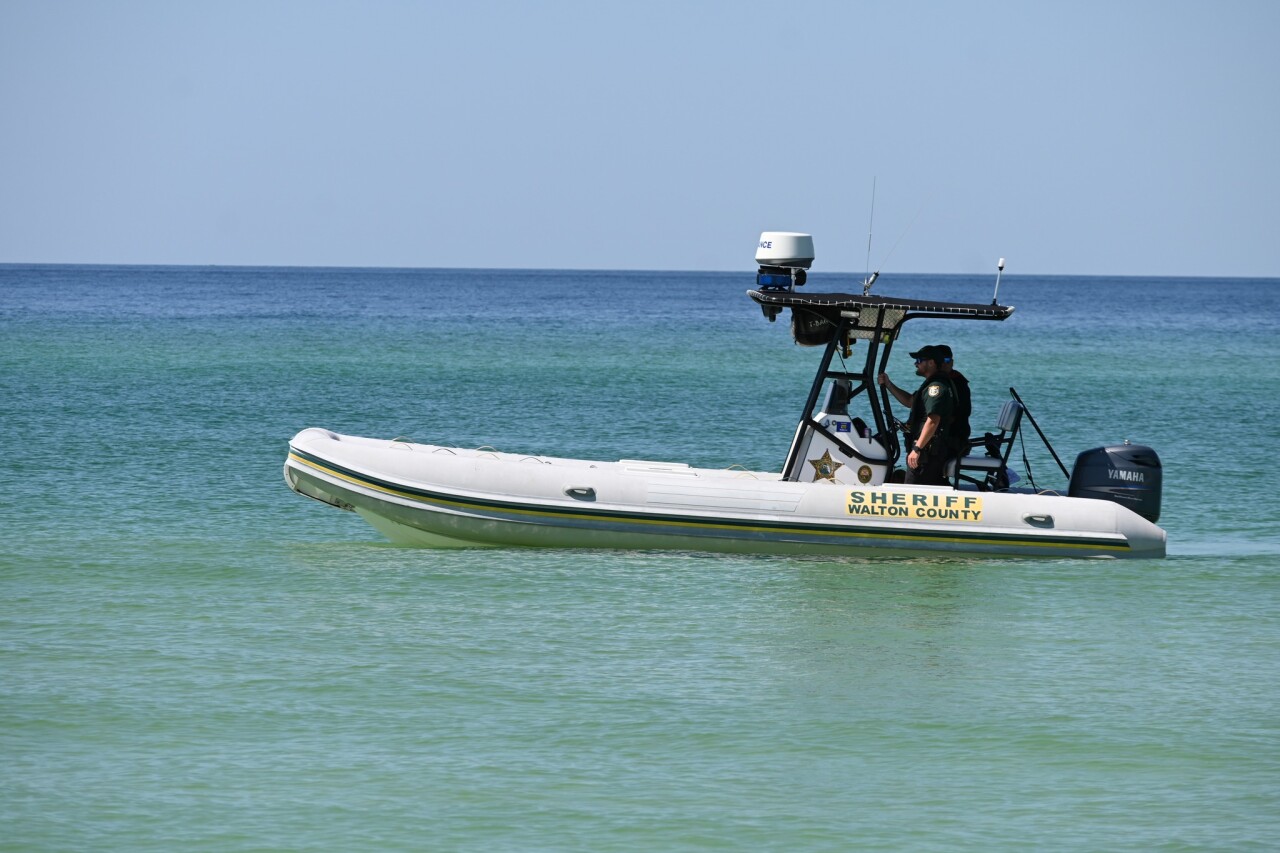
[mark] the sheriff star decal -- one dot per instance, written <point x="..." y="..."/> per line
<point x="825" y="468"/>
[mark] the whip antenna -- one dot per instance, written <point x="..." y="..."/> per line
<point x="892" y="249"/>
<point x="870" y="279"/>
<point x="999" y="269"/>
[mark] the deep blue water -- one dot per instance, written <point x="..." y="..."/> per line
<point x="196" y="658"/>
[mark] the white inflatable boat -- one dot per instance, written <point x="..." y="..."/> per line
<point x="835" y="495"/>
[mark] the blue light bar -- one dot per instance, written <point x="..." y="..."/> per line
<point x="773" y="281"/>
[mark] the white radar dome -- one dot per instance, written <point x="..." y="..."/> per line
<point x="785" y="249"/>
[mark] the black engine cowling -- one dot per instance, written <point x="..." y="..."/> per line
<point x="1129" y="474"/>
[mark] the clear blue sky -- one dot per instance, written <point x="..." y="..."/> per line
<point x="1072" y="137"/>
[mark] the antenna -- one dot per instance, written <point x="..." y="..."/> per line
<point x="870" y="279"/>
<point x="999" y="269"/>
<point x="871" y="222"/>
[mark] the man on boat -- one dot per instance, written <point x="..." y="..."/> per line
<point x="959" y="430"/>
<point x="932" y="408"/>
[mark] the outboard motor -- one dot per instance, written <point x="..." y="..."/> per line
<point x="1128" y="474"/>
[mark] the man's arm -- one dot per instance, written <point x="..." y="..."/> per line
<point x="901" y="396"/>
<point x="927" y="432"/>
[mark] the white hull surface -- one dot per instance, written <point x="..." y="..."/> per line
<point x="426" y="495"/>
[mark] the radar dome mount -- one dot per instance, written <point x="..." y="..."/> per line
<point x="783" y="256"/>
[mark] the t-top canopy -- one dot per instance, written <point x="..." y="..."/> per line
<point x="833" y="304"/>
<point x="865" y="316"/>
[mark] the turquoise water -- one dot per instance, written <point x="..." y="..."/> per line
<point x="197" y="659"/>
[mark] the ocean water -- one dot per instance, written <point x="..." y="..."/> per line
<point x="194" y="658"/>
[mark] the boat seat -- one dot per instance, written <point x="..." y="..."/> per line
<point x="986" y="471"/>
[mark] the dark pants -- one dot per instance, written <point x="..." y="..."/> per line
<point x="931" y="472"/>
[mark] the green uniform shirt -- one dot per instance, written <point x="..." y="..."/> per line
<point x="935" y="397"/>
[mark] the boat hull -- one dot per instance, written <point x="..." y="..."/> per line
<point x="433" y="496"/>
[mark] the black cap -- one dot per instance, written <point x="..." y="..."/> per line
<point x="943" y="351"/>
<point x="929" y="353"/>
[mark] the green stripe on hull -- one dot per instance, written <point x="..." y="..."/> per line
<point x="512" y="522"/>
